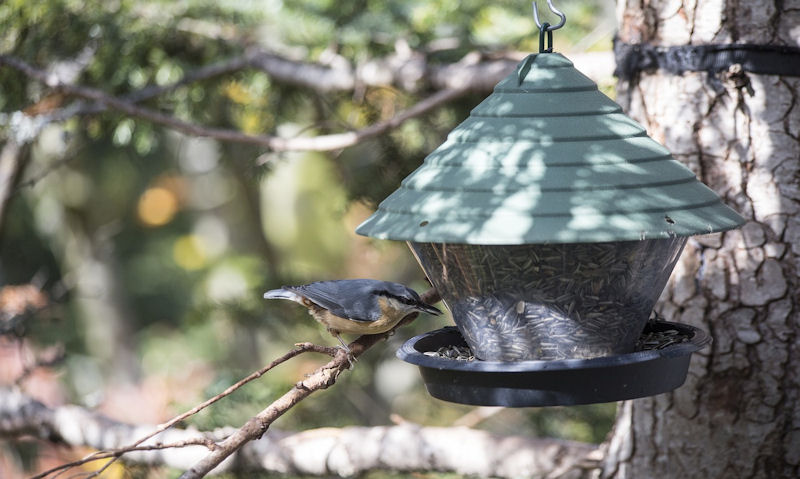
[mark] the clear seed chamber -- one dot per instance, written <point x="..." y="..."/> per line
<point x="550" y="301"/>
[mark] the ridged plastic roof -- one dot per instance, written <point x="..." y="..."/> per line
<point x="547" y="158"/>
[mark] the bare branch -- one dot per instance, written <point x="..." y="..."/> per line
<point x="299" y="349"/>
<point x="118" y="452"/>
<point x="405" y="69"/>
<point x="274" y="143"/>
<point x="338" y="141"/>
<point x="408" y="447"/>
<point x="323" y="452"/>
<point x="21" y="415"/>
<point x="305" y="74"/>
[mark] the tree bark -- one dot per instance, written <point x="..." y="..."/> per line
<point x="738" y="415"/>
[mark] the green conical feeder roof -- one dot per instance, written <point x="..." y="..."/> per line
<point x="547" y="158"/>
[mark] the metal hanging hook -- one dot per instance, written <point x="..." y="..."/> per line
<point x="553" y="9"/>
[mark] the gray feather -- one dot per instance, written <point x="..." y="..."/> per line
<point x="283" y="294"/>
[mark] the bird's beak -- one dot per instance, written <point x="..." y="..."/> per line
<point x="427" y="308"/>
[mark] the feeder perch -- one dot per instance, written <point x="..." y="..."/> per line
<point x="549" y="222"/>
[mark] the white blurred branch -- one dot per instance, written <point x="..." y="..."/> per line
<point x="10" y="166"/>
<point x="323" y="452"/>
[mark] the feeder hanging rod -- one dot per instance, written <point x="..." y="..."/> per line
<point x="553" y="9"/>
<point x="546" y="28"/>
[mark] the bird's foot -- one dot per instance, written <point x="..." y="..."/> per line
<point x="351" y="359"/>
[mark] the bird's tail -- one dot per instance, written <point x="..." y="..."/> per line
<point x="283" y="294"/>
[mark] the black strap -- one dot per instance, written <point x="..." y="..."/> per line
<point x="545" y="29"/>
<point x="763" y="59"/>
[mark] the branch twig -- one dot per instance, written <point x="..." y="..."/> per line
<point x="116" y="453"/>
<point x="330" y="142"/>
<point x="299" y="349"/>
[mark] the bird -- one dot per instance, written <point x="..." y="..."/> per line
<point x="355" y="306"/>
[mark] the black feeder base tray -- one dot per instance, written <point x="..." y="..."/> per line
<point x="553" y="382"/>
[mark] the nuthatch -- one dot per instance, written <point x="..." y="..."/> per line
<point x="355" y="306"/>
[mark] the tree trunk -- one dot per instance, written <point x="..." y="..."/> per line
<point x="738" y="415"/>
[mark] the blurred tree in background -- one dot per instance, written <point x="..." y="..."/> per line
<point x="153" y="247"/>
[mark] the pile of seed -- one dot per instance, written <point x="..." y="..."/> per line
<point x="648" y="341"/>
<point x="462" y="353"/>
<point x="660" y="339"/>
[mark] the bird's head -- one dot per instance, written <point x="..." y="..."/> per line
<point x="404" y="299"/>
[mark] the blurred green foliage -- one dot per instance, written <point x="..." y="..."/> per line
<point x="178" y="237"/>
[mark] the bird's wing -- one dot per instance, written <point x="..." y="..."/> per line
<point x="344" y="298"/>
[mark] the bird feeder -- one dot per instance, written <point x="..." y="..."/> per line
<point x="549" y="222"/>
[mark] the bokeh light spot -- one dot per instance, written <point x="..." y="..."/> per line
<point x="157" y="206"/>
<point x="189" y="252"/>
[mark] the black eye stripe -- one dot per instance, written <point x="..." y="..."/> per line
<point x="383" y="292"/>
